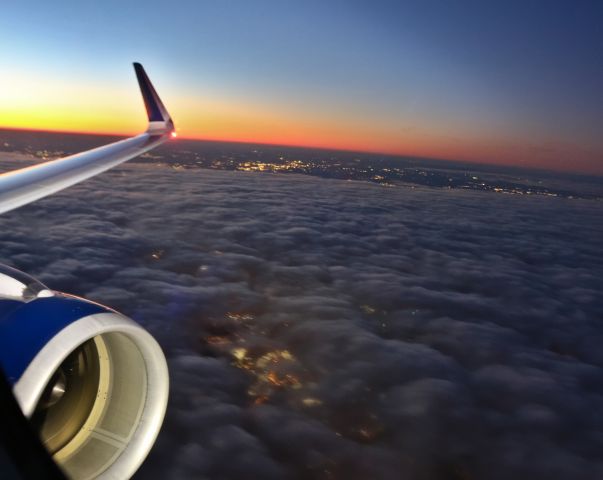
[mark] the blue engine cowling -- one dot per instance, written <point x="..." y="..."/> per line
<point x="93" y="383"/>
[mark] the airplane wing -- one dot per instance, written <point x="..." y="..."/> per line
<point x="89" y="386"/>
<point x="26" y="185"/>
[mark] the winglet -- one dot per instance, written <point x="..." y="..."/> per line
<point x="159" y="119"/>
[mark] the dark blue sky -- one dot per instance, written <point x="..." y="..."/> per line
<point x="468" y="78"/>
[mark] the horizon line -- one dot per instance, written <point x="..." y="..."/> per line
<point x="322" y="148"/>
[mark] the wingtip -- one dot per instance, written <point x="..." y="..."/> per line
<point x="156" y="111"/>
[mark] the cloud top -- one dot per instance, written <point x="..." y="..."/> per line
<point x="326" y="329"/>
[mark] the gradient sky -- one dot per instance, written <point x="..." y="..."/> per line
<point x="519" y="82"/>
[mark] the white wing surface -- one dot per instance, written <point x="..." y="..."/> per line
<point x="26" y="185"/>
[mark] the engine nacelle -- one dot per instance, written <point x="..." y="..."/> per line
<point x="93" y="383"/>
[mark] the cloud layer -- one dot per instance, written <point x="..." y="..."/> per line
<point x="327" y="329"/>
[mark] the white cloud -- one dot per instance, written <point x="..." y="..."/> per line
<point x="329" y="329"/>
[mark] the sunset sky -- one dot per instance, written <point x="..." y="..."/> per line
<point x="514" y="82"/>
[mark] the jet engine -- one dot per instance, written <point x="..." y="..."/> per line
<point x="92" y="382"/>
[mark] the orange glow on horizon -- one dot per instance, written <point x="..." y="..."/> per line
<point x="480" y="154"/>
<point x="25" y="103"/>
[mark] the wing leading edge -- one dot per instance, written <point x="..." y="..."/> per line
<point x="26" y="185"/>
